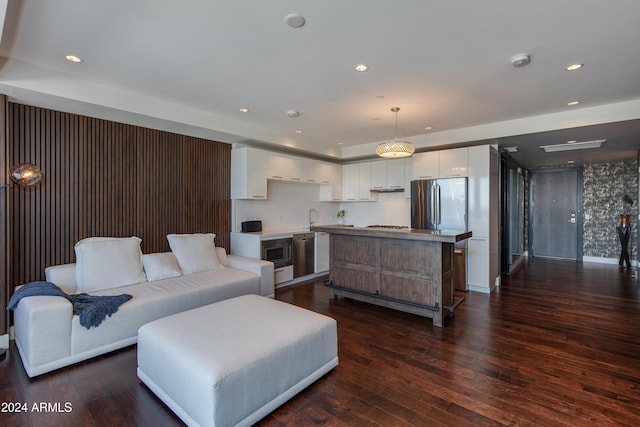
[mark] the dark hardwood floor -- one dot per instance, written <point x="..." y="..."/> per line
<point x="557" y="344"/>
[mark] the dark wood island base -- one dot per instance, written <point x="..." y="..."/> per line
<point x="407" y="270"/>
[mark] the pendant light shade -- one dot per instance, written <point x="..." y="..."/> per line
<point x="395" y="148"/>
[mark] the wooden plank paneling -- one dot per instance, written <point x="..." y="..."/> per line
<point x="4" y="235"/>
<point x="109" y="179"/>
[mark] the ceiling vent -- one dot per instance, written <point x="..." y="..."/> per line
<point x="573" y="146"/>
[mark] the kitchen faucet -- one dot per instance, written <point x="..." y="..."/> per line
<point x="311" y="219"/>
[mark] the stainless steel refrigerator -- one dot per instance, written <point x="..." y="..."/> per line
<point x="441" y="204"/>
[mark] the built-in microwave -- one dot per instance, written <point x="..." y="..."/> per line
<point x="278" y="251"/>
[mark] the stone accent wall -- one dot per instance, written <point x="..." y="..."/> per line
<point x="604" y="186"/>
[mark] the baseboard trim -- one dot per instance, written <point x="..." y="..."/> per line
<point x="602" y="260"/>
<point x="4" y="341"/>
<point x="480" y="289"/>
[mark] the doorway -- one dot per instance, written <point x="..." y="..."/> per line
<point x="512" y="222"/>
<point x="555" y="213"/>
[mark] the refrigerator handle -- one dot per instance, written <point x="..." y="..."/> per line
<point x="433" y="207"/>
<point x="439" y="207"/>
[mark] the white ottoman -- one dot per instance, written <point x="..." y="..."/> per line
<point x="234" y="362"/>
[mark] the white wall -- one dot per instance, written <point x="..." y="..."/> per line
<point x="288" y="205"/>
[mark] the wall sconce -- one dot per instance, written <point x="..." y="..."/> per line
<point x="24" y="174"/>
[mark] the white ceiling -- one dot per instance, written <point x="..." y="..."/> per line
<point x="189" y="67"/>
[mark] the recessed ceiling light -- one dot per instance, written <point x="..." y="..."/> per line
<point x="572" y="103"/>
<point x="361" y="68"/>
<point x="511" y="149"/>
<point x="428" y="128"/>
<point x="573" y="141"/>
<point x="73" y="58"/>
<point x="571" y="161"/>
<point x="299" y="131"/>
<point x="244" y="110"/>
<point x="294" y="20"/>
<point x="573" y="67"/>
<point x="340" y="143"/>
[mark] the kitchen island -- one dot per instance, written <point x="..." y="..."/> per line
<point x="404" y="269"/>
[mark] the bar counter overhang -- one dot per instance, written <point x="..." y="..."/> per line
<point x="405" y="269"/>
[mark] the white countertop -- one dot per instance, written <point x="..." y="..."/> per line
<point x="276" y="234"/>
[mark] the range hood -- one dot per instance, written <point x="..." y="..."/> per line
<point x="387" y="190"/>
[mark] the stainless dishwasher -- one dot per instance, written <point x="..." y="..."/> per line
<point x="303" y="254"/>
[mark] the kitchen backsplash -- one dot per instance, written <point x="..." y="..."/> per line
<point x="288" y="205"/>
<point x="390" y="209"/>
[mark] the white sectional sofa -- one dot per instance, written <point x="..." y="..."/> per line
<point x="49" y="336"/>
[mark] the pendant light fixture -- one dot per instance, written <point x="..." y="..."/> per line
<point x="395" y="148"/>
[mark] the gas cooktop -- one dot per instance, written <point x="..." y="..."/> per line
<point x="397" y="227"/>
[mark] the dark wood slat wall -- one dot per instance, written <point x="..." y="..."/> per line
<point x="4" y="236"/>
<point x="105" y="178"/>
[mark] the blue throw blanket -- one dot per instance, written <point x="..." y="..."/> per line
<point x="91" y="309"/>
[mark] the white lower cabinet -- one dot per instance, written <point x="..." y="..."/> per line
<point x="250" y="245"/>
<point x="322" y="253"/>
<point x="282" y="274"/>
<point x="478" y="277"/>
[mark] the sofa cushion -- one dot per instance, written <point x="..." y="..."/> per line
<point x="153" y="300"/>
<point x="222" y="256"/>
<point x="160" y="266"/>
<point x="108" y="262"/>
<point x="194" y="252"/>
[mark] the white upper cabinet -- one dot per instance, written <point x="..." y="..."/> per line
<point x="379" y="175"/>
<point x="388" y="174"/>
<point x="280" y="166"/>
<point x="249" y="173"/>
<point x="357" y="182"/>
<point x="285" y="167"/>
<point x="330" y="180"/>
<point x="297" y="169"/>
<point x="396" y="170"/>
<point x="454" y="163"/>
<point x="408" y="176"/>
<point x="327" y="173"/>
<point x="252" y="167"/>
<point x="364" y="185"/>
<point x="425" y="165"/>
<point x="351" y="181"/>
